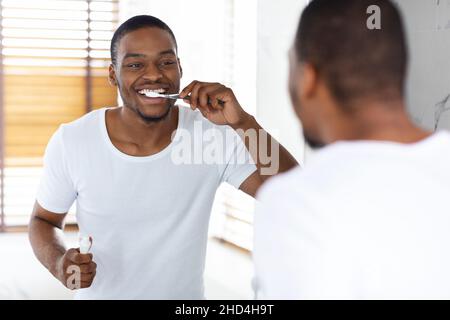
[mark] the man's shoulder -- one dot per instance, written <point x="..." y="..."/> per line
<point x="309" y="176"/>
<point x="86" y="121"/>
<point x="325" y="170"/>
<point x="281" y="184"/>
<point x="83" y="125"/>
<point x="82" y="129"/>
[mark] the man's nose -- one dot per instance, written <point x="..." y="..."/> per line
<point x="152" y="73"/>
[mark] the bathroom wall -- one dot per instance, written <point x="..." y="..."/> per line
<point x="277" y="23"/>
<point x="428" y="87"/>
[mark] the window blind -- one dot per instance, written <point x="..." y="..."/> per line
<point x="55" y="57"/>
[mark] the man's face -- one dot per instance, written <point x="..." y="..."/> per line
<point x="301" y="83"/>
<point x="147" y="60"/>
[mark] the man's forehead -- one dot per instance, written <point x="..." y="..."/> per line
<point x="147" y="41"/>
<point x="145" y="55"/>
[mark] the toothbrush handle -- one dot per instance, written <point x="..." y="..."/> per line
<point x="209" y="101"/>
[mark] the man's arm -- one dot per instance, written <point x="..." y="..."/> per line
<point x="218" y="104"/>
<point x="45" y="234"/>
<point x="270" y="156"/>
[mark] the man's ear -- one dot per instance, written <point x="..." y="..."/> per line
<point x="309" y="79"/>
<point x="181" y="69"/>
<point x="112" y="75"/>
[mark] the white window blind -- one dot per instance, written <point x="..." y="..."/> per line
<point x="54" y="59"/>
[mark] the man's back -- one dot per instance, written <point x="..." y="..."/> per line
<point x="363" y="220"/>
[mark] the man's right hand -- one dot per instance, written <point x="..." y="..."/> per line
<point x="76" y="270"/>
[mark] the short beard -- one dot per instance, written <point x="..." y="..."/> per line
<point x="312" y="143"/>
<point x="149" y="119"/>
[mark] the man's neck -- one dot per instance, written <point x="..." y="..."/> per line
<point x="134" y="136"/>
<point x="380" y="122"/>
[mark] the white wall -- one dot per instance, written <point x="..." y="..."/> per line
<point x="277" y="23"/>
<point x="428" y="28"/>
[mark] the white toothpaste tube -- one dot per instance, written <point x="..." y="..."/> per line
<point x="85" y="244"/>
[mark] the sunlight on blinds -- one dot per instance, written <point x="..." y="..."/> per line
<point x="55" y="56"/>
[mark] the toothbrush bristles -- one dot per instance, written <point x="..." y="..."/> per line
<point x="152" y="94"/>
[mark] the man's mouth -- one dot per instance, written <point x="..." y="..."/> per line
<point x="144" y="92"/>
<point x="149" y="100"/>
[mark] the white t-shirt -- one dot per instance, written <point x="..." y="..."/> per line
<point x="148" y="216"/>
<point x="362" y="220"/>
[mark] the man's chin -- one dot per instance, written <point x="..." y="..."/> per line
<point x="153" y="115"/>
<point x="313" y="143"/>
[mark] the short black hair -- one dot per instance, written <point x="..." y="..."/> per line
<point x="132" y="24"/>
<point x="355" y="62"/>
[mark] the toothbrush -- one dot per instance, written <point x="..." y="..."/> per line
<point x="153" y="94"/>
<point x="175" y="96"/>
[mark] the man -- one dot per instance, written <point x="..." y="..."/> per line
<point x="146" y="211"/>
<point x="368" y="217"/>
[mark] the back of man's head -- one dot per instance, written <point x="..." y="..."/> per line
<point x="356" y="62"/>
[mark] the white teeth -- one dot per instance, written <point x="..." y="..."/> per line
<point x="147" y="91"/>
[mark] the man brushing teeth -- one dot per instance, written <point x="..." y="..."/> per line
<point x="147" y="93"/>
<point x="147" y="215"/>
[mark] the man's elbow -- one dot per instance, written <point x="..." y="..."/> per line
<point x="37" y="221"/>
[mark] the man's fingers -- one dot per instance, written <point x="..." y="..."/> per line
<point x="76" y="257"/>
<point x="88" y="268"/>
<point x="204" y="94"/>
<point x="194" y="94"/>
<point x="87" y="277"/>
<point x="187" y="89"/>
<point x="218" y="97"/>
<point x="72" y="254"/>
<point x="193" y="91"/>
<point x="84" y="258"/>
<point x="85" y="284"/>
<point x="200" y="96"/>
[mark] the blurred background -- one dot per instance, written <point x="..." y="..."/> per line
<point x="53" y="69"/>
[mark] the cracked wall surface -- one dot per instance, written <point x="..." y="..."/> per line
<point x="428" y="85"/>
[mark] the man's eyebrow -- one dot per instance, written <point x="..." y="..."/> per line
<point x="134" y="55"/>
<point x="170" y="51"/>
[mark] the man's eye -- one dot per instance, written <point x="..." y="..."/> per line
<point x="167" y="63"/>
<point x="134" y="65"/>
